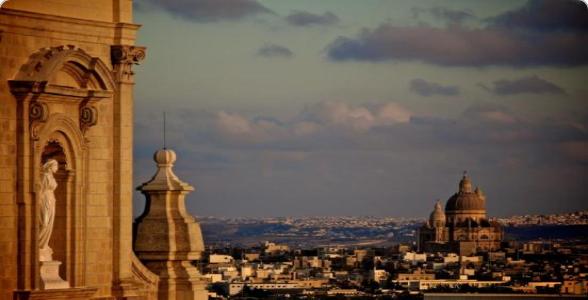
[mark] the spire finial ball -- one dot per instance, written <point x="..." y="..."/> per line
<point x="164" y="157"/>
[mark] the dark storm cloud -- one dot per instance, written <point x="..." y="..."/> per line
<point x="456" y="46"/>
<point x="500" y="43"/>
<point x="427" y="88"/>
<point x="273" y="50"/>
<point x="304" y="18"/>
<point x="531" y="84"/>
<point x="211" y="10"/>
<point x="452" y="16"/>
<point x="546" y="15"/>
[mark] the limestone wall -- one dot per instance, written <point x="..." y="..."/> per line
<point x="92" y="26"/>
<point x="96" y="10"/>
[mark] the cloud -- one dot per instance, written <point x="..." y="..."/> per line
<point x="456" y="46"/>
<point x="333" y="124"/>
<point x="317" y="160"/>
<point x="304" y="18"/>
<point x="427" y="88"/>
<point x="576" y="150"/>
<point x="357" y="118"/>
<point x="273" y="50"/>
<point x="233" y="127"/>
<point x="325" y="118"/>
<point x="452" y="16"/>
<point x="489" y="113"/>
<point x="531" y="84"/>
<point x="211" y="10"/>
<point x="501" y="43"/>
<point x="546" y="15"/>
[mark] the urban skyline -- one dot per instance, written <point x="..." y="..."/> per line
<point x="424" y="123"/>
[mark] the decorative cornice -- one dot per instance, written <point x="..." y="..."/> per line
<point x="41" y="87"/>
<point x="69" y="20"/>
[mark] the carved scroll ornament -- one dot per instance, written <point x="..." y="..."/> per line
<point x="38" y="113"/>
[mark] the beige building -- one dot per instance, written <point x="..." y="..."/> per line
<point x="463" y="227"/>
<point x="270" y="248"/>
<point x="66" y="94"/>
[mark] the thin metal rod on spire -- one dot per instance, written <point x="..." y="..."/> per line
<point x="164" y="145"/>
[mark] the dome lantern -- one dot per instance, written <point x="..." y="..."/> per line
<point x="466" y="202"/>
<point x="465" y="185"/>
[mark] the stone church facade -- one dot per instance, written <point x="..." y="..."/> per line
<point x="66" y="93"/>
<point x="462" y="227"/>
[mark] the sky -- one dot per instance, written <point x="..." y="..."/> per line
<point x="365" y="108"/>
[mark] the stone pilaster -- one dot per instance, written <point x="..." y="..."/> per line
<point x="123" y="58"/>
<point x="168" y="238"/>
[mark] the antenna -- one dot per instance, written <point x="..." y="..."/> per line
<point x="164" y="146"/>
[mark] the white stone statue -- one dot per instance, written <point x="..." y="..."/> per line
<point x="47" y="208"/>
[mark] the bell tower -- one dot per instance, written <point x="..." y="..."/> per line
<point x="66" y="95"/>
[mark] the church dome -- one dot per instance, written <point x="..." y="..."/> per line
<point x="466" y="199"/>
<point x="437" y="217"/>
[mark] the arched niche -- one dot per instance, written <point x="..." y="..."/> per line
<point x="61" y="139"/>
<point x="57" y="92"/>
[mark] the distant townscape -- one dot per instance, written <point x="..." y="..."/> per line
<point x="457" y="251"/>
<point x="573" y="218"/>
<point x="366" y="230"/>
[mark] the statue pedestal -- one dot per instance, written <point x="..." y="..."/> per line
<point x="50" y="276"/>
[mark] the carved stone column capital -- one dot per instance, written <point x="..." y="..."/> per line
<point x="123" y="58"/>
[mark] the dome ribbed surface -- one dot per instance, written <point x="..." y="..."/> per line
<point x="466" y="199"/>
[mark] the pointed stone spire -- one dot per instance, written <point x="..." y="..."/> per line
<point x="165" y="179"/>
<point x="168" y="238"/>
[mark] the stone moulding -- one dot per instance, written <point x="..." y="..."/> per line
<point x="21" y="87"/>
<point x="148" y="279"/>
<point x="57" y="294"/>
